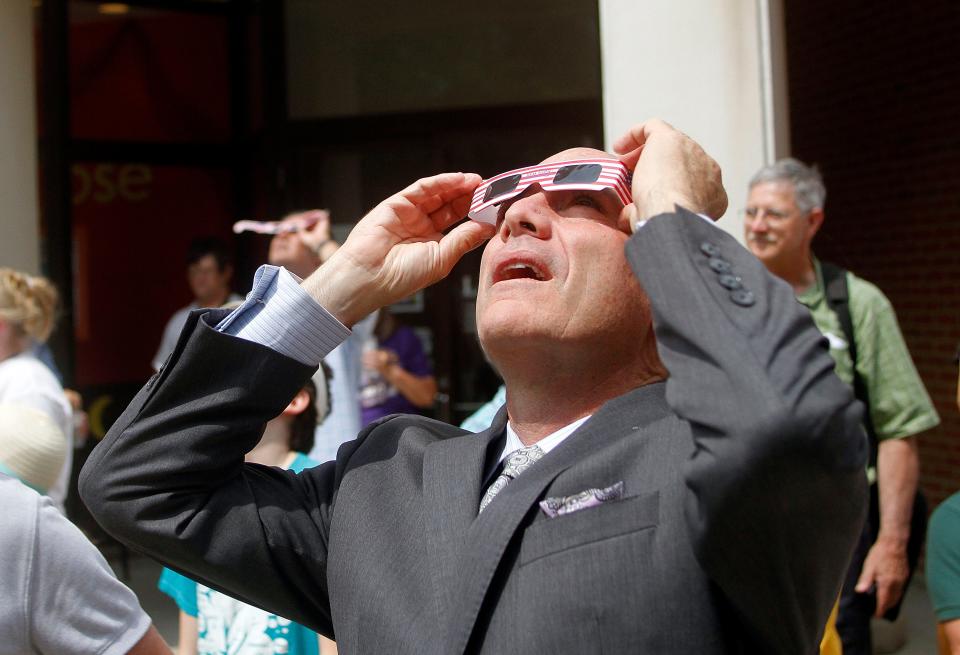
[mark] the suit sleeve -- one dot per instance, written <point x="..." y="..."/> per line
<point x="776" y="483"/>
<point x="169" y="478"/>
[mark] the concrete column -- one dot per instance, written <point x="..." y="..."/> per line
<point x="19" y="215"/>
<point x="715" y="70"/>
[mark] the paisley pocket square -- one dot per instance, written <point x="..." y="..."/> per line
<point x="560" y="505"/>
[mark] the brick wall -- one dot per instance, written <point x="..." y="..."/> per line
<point x="875" y="101"/>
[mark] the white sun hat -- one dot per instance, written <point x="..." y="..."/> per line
<point x="32" y="446"/>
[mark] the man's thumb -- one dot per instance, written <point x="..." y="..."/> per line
<point x="461" y="240"/>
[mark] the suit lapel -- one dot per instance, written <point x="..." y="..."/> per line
<point x="452" y="472"/>
<point x="487" y="537"/>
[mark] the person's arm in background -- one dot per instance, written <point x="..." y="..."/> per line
<point x="898" y="472"/>
<point x="188" y="634"/>
<point x="316" y="234"/>
<point x="900" y="410"/>
<point x="327" y="647"/>
<point x="151" y="643"/>
<point x="948" y="637"/>
<point x="418" y="389"/>
<point x="183" y="591"/>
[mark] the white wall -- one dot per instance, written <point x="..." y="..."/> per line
<point x="19" y="218"/>
<point x="706" y="67"/>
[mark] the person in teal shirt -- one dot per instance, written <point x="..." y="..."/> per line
<point x="481" y="419"/>
<point x="212" y="623"/>
<point x="943" y="566"/>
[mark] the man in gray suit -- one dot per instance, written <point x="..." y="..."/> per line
<point x="709" y="510"/>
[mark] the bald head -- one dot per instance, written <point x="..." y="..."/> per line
<point x="578" y="153"/>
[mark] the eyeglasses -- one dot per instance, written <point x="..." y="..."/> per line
<point x="587" y="174"/>
<point x="288" y="226"/>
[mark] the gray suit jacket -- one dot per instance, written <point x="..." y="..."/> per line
<point x="743" y="476"/>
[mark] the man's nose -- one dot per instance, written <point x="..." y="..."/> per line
<point x="758" y="222"/>
<point x="530" y="214"/>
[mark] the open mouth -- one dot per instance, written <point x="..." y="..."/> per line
<point x="520" y="270"/>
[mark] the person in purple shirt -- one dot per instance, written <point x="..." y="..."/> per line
<point x="397" y="377"/>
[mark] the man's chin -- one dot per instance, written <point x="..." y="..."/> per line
<point x="514" y="332"/>
<point x="281" y="260"/>
<point x="761" y="249"/>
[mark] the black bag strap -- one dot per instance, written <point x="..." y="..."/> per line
<point x="838" y="298"/>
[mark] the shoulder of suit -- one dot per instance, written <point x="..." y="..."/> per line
<point x="387" y="431"/>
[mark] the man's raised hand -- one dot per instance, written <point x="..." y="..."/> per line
<point x="669" y="168"/>
<point x="399" y="247"/>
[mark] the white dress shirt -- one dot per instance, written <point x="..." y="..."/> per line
<point x="546" y="444"/>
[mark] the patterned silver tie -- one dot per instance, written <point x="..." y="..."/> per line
<point x="516" y="463"/>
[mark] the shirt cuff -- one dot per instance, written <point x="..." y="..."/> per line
<point x="279" y="314"/>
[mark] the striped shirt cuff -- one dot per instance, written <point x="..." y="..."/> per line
<point x="279" y="314"/>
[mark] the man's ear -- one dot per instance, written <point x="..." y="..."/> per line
<point x="814" y="221"/>
<point x="299" y="403"/>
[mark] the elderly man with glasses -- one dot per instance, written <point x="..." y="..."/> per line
<point x="784" y="212"/>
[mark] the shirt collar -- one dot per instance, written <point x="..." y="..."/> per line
<point x="546" y="444"/>
<point x="814" y="294"/>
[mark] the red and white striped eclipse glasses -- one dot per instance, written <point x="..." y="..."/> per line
<point x="587" y="174"/>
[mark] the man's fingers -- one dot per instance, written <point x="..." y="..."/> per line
<point x="632" y="139"/>
<point x="882" y="599"/>
<point x="315" y="215"/>
<point x="461" y="205"/>
<point x="627" y="221"/>
<point x="461" y="240"/>
<point x="431" y="193"/>
<point x="637" y="135"/>
<point x="451" y="212"/>
<point x="887" y="595"/>
<point x="866" y="579"/>
<point x="631" y="158"/>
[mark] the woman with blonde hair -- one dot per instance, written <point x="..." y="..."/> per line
<point x="27" y="311"/>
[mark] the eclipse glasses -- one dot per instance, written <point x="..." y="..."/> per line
<point x="586" y="174"/>
<point x="287" y="226"/>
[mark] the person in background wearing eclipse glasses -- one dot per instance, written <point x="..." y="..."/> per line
<point x="655" y="483"/>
